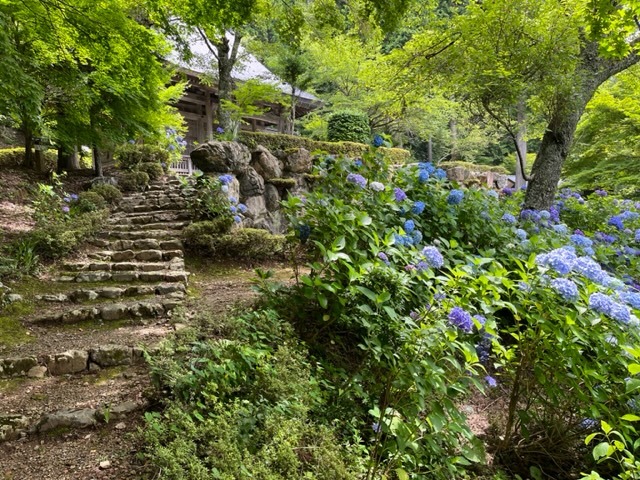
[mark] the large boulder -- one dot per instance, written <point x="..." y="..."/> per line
<point x="271" y="197"/>
<point x="298" y="160"/>
<point x="251" y="183"/>
<point x="221" y="157"/>
<point x="265" y="163"/>
<point x="69" y="362"/>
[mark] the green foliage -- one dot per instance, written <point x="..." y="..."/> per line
<point x="283" y="142"/>
<point x="606" y="153"/>
<point x="90" y="202"/>
<point x="242" y="408"/>
<point x="202" y="234"/>
<point x="207" y="201"/>
<point x="287" y="183"/>
<point x="248" y="100"/>
<point x="207" y="239"/>
<point x="111" y="194"/>
<point x="131" y="156"/>
<point x="19" y="259"/>
<point x="475" y="166"/>
<point x="12" y="157"/>
<point x="348" y="127"/>
<point x="133" y="181"/>
<point x="154" y="170"/>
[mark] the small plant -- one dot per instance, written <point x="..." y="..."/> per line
<point x="133" y="181"/>
<point x="154" y="170"/>
<point x="209" y="201"/>
<point x="90" y="201"/>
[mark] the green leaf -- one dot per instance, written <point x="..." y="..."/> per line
<point x="402" y="474"/>
<point x="630" y="417"/>
<point x="323" y="301"/>
<point x="600" y="450"/>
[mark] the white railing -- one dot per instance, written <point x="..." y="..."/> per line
<point x="184" y="167"/>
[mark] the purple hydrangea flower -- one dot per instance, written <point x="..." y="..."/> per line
<point x="508" y="191"/>
<point x="219" y="130"/>
<point x="566" y="288"/>
<point x="422" y="266"/>
<point x="601" y="193"/>
<point x="461" y="319"/>
<point x="399" y="194"/>
<point x="65" y="209"/>
<point x="605" y="237"/>
<point x="383" y="256"/>
<point x="357" y="179"/>
<point x="492" y="382"/>
<point x="410" y="267"/>
<point x="433" y="256"/>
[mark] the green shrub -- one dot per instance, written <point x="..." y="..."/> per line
<point x="250" y="244"/>
<point x="12" y="157"/>
<point x="275" y="142"/>
<point x="206" y="199"/>
<point x="475" y="166"/>
<point x="61" y="238"/>
<point x="129" y="157"/>
<point x="200" y="234"/>
<point x="154" y="170"/>
<point x="110" y="193"/>
<point x="90" y="202"/>
<point x="133" y="181"/>
<point x="348" y="127"/>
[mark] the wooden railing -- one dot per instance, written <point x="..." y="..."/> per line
<point x="184" y="167"/>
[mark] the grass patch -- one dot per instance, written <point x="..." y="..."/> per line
<point x="12" y="331"/>
<point x="8" y="385"/>
<point x="106" y="374"/>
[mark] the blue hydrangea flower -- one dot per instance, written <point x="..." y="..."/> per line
<point x="604" y="304"/>
<point x="304" y="231"/>
<point x="455" y="197"/>
<point x="237" y="219"/>
<point x="65" y="209"/>
<point x="481" y="320"/>
<point x="629" y="215"/>
<point x="561" y="260"/>
<point x="357" y="162"/>
<point x="233" y="209"/>
<point x="399" y="194"/>
<point x="631" y="298"/>
<point x="493" y="194"/>
<point x="525" y="287"/>
<point x="242" y="207"/>
<point x="422" y="266"/>
<point x="601" y="193"/>
<point x="74" y="197"/>
<point x="427" y="167"/>
<point x="225" y="179"/>
<point x="589" y="268"/>
<point x="423" y="176"/>
<point x="398" y="239"/>
<point x="378" y="141"/>
<point x="637" y="237"/>
<point x="357" y="179"/>
<point x="461" y="319"/>
<point x="521" y="234"/>
<point x="566" y="288"/>
<point x="581" y="240"/>
<point x="616" y="221"/>
<point x="383" y="256"/>
<point x="440" y="174"/>
<point x="605" y="237"/>
<point x="417" y="237"/>
<point x="376" y="186"/>
<point x="433" y="256"/>
<point x="409" y="226"/>
<point x="545" y="215"/>
<point x="418" y="207"/>
<point x="509" y="218"/>
<point x="560" y="228"/>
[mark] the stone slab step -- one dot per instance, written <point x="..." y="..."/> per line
<point x="120" y="266"/>
<point x="141" y="244"/>
<point x="60" y="402"/>
<point x="90" y="294"/>
<point x="127" y="227"/>
<point x="137" y="255"/>
<point x="149" y="217"/>
<point x="114" y="311"/>
<point x="169" y="276"/>
<point x="138" y="235"/>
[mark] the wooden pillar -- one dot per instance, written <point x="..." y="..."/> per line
<point x="208" y="107"/>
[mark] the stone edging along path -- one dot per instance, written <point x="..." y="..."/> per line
<point x="132" y="277"/>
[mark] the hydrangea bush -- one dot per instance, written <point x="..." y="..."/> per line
<point x="433" y="290"/>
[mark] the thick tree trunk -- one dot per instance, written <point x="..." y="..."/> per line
<point x="227" y="56"/>
<point x="28" y="149"/>
<point x="558" y="137"/>
<point x="97" y="162"/>
<point x="521" y="144"/>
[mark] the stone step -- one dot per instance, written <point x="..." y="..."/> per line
<point x="166" y="205"/>
<point x="170" y="276"/>
<point x="115" y="311"/>
<point x="139" y="255"/>
<point x="137" y="235"/>
<point x="123" y="227"/>
<point x="89" y="294"/>
<point x="97" y="266"/>
<point x="142" y="244"/>
<point x="149" y="217"/>
<point x="55" y="403"/>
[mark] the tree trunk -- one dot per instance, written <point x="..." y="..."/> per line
<point x="430" y="150"/>
<point x="453" y="128"/>
<point x="521" y="144"/>
<point x="97" y="162"/>
<point x="65" y="155"/>
<point x="40" y="162"/>
<point x="75" y="159"/>
<point x="227" y="56"/>
<point x="592" y="71"/>
<point x="293" y="110"/>
<point x="28" y="148"/>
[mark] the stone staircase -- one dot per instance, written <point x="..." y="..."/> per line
<point x="93" y="319"/>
